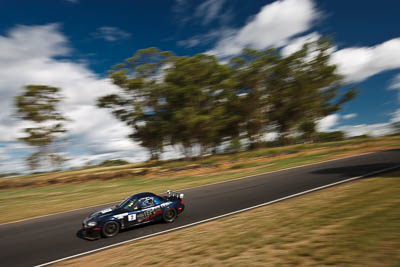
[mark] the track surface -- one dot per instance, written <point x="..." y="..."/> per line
<point x="45" y="239"/>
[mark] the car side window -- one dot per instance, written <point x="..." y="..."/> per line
<point x="157" y="201"/>
<point x="146" y="202"/>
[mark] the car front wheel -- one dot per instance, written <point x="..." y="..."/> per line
<point x="110" y="229"/>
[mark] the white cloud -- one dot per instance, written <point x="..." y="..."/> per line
<point x="296" y="44"/>
<point x="28" y="55"/>
<point x="395" y="116"/>
<point x="327" y="123"/>
<point x="26" y="43"/>
<point x="330" y="123"/>
<point x="349" y="116"/>
<point x="273" y="26"/>
<point x="278" y="24"/>
<point x="111" y="34"/>
<point x="209" y="10"/>
<point x="359" y="63"/>
<point x="377" y="129"/>
<point x="9" y="162"/>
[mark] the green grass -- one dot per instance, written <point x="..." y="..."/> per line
<point x="354" y="224"/>
<point x="36" y="201"/>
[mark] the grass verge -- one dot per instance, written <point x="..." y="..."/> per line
<point x="355" y="224"/>
<point x="70" y="192"/>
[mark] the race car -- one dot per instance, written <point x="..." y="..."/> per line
<point x="136" y="210"/>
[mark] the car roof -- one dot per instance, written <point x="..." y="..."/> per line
<point x="144" y="194"/>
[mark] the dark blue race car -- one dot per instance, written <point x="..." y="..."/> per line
<point x="137" y="209"/>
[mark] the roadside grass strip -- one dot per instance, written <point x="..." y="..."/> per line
<point x="67" y="196"/>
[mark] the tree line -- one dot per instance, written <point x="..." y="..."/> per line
<point x="198" y="103"/>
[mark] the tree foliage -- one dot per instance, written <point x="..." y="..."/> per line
<point x="38" y="106"/>
<point x="297" y="90"/>
<point x="196" y="92"/>
<point x="199" y="102"/>
<point x="140" y="103"/>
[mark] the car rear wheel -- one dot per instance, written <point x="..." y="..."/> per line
<point x="169" y="215"/>
<point x="110" y="229"/>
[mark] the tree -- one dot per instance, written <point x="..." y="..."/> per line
<point x="289" y="93"/>
<point x="38" y="105"/>
<point x="141" y="104"/>
<point x="197" y="89"/>
<point x="331" y="136"/>
<point x="308" y="130"/>
<point x="249" y="105"/>
<point x="169" y="100"/>
<point x="199" y="102"/>
<point x="304" y="87"/>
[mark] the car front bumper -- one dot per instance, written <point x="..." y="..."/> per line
<point x="91" y="233"/>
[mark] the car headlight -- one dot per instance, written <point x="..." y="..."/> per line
<point x="92" y="223"/>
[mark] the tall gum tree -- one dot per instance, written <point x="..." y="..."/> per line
<point x="38" y="105"/>
<point x="140" y="102"/>
<point x="294" y="91"/>
<point x="197" y="89"/>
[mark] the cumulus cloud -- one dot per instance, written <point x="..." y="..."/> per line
<point x="11" y="156"/>
<point x="280" y="24"/>
<point x="30" y="55"/>
<point x="27" y="43"/>
<point x="378" y="129"/>
<point x="331" y="123"/>
<point x="327" y="123"/>
<point x="273" y="26"/>
<point x="297" y="43"/>
<point x="110" y="34"/>
<point x="359" y="63"/>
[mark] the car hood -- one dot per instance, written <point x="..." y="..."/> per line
<point x="105" y="212"/>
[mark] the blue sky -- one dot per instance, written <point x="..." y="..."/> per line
<point x="72" y="43"/>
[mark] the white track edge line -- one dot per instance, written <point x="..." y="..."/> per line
<point x="220" y="216"/>
<point x="197" y="186"/>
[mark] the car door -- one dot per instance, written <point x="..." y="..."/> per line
<point x="130" y="218"/>
<point x="149" y="210"/>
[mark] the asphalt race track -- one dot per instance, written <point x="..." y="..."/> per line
<point x="41" y="240"/>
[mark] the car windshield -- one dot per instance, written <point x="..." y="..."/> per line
<point x="128" y="203"/>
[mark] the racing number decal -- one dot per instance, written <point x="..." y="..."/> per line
<point x="148" y="214"/>
<point x="131" y="217"/>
